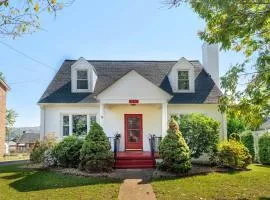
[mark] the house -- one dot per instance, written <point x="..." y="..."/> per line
<point x="27" y="140"/>
<point x="3" y="90"/>
<point x="131" y="98"/>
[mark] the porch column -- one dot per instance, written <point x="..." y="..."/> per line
<point x="164" y="119"/>
<point x="101" y="115"/>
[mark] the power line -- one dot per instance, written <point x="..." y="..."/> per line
<point x="27" y="56"/>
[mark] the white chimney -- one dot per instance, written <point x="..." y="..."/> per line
<point x="211" y="61"/>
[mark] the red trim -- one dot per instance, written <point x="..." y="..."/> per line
<point x="138" y="145"/>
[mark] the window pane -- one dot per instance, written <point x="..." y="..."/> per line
<point x="82" y="84"/>
<point x="66" y="120"/>
<point x="79" y="124"/>
<point x="183" y="75"/>
<point x="93" y="119"/>
<point x="82" y="74"/>
<point x="134" y="136"/>
<point x="183" y="85"/>
<point x="65" y="130"/>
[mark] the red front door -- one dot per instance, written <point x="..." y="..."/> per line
<point x="133" y="132"/>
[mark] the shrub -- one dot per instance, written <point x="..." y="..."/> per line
<point x="37" y="153"/>
<point x="247" y="139"/>
<point x="96" y="154"/>
<point x="264" y="149"/>
<point x="235" y="136"/>
<point x="233" y="154"/>
<point x="49" y="159"/>
<point x="200" y="132"/>
<point x="235" y="125"/>
<point x="174" y="151"/>
<point x="67" y="152"/>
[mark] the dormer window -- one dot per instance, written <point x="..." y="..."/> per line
<point x="82" y="80"/>
<point x="183" y="80"/>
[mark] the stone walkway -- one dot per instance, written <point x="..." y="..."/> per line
<point x="135" y="185"/>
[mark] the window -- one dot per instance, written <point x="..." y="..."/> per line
<point x="65" y="125"/>
<point x="77" y="124"/>
<point x="82" y="79"/>
<point x="183" y="80"/>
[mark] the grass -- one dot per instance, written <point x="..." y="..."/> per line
<point x="253" y="184"/>
<point x="19" y="183"/>
<point x="16" y="156"/>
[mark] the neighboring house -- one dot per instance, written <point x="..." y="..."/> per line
<point x="132" y="98"/>
<point x="3" y="90"/>
<point x="27" y="140"/>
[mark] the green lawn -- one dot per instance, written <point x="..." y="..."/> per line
<point x="18" y="183"/>
<point x="253" y="184"/>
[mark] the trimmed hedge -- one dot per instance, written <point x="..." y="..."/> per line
<point x="200" y="132"/>
<point x="233" y="154"/>
<point x="67" y="152"/>
<point x="174" y="151"/>
<point x="264" y="148"/>
<point x="247" y="139"/>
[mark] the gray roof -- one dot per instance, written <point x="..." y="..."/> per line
<point x="59" y="90"/>
<point x="28" y="138"/>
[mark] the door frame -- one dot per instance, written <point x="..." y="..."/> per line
<point x="126" y="116"/>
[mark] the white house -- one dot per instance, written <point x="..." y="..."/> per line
<point x="132" y="98"/>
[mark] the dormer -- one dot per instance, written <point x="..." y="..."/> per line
<point x="83" y="76"/>
<point x="182" y="77"/>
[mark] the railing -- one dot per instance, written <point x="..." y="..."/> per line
<point x="154" y="142"/>
<point x="115" y="144"/>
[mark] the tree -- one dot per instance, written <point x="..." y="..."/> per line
<point x="11" y="116"/>
<point x="174" y="151"/>
<point x="241" y="26"/>
<point x="17" y="18"/>
<point x="2" y="76"/>
<point x="234" y="125"/>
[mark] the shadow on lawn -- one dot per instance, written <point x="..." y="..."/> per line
<point x="27" y="180"/>
<point x="264" y="198"/>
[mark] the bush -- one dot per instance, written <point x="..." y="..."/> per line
<point x="96" y="154"/>
<point x="235" y="125"/>
<point x="67" y="152"/>
<point x="235" y="136"/>
<point x="49" y="159"/>
<point x="247" y="139"/>
<point x="233" y="154"/>
<point x="174" y="151"/>
<point x="200" y="132"/>
<point x="264" y="149"/>
<point x="37" y="153"/>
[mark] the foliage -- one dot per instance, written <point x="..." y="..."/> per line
<point x="233" y="154"/>
<point x="96" y="154"/>
<point x="17" y="19"/>
<point x="200" y="132"/>
<point x="11" y="116"/>
<point x="2" y="76"/>
<point x="264" y="148"/>
<point x="67" y="152"/>
<point x="247" y="139"/>
<point x="241" y="26"/>
<point x="38" y="151"/>
<point x="235" y="136"/>
<point x="174" y="151"/>
<point x="235" y="125"/>
<point x="49" y="159"/>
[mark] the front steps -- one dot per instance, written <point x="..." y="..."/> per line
<point x="134" y="160"/>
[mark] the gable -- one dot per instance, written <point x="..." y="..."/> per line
<point x="133" y="86"/>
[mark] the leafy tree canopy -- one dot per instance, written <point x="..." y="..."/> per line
<point x="241" y="26"/>
<point x="21" y="17"/>
<point x="11" y="116"/>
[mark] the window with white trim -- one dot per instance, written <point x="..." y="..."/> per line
<point x="183" y="80"/>
<point x="77" y="124"/>
<point x="82" y="80"/>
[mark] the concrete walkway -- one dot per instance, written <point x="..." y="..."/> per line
<point x="135" y="185"/>
<point x="11" y="162"/>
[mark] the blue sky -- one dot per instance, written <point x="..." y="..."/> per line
<point x="122" y="29"/>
